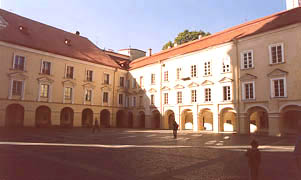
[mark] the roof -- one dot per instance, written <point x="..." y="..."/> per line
<point x="251" y="28"/>
<point x="131" y="49"/>
<point x="122" y="60"/>
<point x="45" y="38"/>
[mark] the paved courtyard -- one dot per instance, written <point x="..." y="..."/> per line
<point x="42" y="154"/>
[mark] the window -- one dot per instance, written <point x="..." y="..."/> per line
<point x="165" y="98"/>
<point x="141" y="81"/>
<point x="166" y="76"/>
<point x="276" y="53"/>
<point x="279" y="87"/>
<point x="68" y="93"/>
<point x="46" y="66"/>
<point x="134" y="101"/>
<point x="226" y="65"/>
<point x="140" y="101"/>
<point x="88" y="95"/>
<point x="152" y="99"/>
<point x="193" y="96"/>
<point x="69" y="72"/>
<point x="179" y="73"/>
<point x="127" y="84"/>
<point x="207" y="68"/>
<point x="179" y="97"/>
<point x="227" y="93"/>
<point x="127" y="101"/>
<point x="153" y="79"/>
<point x="207" y="94"/>
<point x="120" y="99"/>
<point x="44" y="90"/>
<point x="89" y="75"/>
<point x="134" y="84"/>
<point x="248" y="90"/>
<point x="19" y="63"/>
<point x="247" y="59"/>
<point x="17" y="88"/>
<point x="121" y="82"/>
<point x="106" y="78"/>
<point x="193" y="71"/>
<point x="105" y="97"/>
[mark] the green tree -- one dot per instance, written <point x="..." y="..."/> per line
<point x="185" y="37"/>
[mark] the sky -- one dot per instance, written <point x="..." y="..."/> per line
<point x="141" y="24"/>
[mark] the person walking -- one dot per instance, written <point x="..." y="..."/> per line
<point x="254" y="159"/>
<point x="95" y="126"/>
<point x="175" y="129"/>
<point x="297" y="153"/>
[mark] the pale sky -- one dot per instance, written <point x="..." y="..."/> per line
<point x="141" y="24"/>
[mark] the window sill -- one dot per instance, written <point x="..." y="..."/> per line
<point x="273" y="64"/>
<point x="69" y="78"/>
<point x="88" y="81"/>
<point x="226" y="72"/>
<point x="207" y="75"/>
<point x="44" y="74"/>
<point x="282" y="97"/>
<point x="248" y="100"/>
<point x="17" y="70"/>
<point x="244" y="69"/>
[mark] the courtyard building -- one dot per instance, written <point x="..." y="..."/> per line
<point x="244" y="79"/>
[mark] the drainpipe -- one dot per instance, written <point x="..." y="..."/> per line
<point x="237" y="74"/>
<point x="113" y="99"/>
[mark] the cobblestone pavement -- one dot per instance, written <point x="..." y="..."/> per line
<point x="121" y="154"/>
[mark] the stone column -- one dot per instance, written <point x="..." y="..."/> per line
<point x="29" y="117"/>
<point x="195" y="118"/>
<point x="274" y="121"/>
<point x="77" y="119"/>
<point x="216" y="120"/>
<point x="244" y="124"/>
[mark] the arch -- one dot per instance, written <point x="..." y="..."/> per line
<point x="290" y="119"/>
<point x="87" y="117"/>
<point x="169" y="118"/>
<point x="14" y="115"/>
<point x="121" y="121"/>
<point x="130" y="119"/>
<point x="141" y="119"/>
<point x="105" y="118"/>
<point x="43" y="116"/>
<point x="67" y="115"/>
<point x="286" y="105"/>
<point x="258" y="120"/>
<point x="155" y="120"/>
<point x="256" y="106"/>
<point x="228" y="121"/>
<point x="205" y="120"/>
<point x="187" y="119"/>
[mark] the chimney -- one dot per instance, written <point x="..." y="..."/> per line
<point x="77" y="33"/>
<point x="150" y="51"/>
<point x="200" y="36"/>
<point x="175" y="45"/>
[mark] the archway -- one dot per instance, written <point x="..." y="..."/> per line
<point x="187" y="119"/>
<point x="228" y="120"/>
<point x="258" y="120"/>
<point x="121" y="121"/>
<point x="87" y="118"/>
<point x="130" y="119"/>
<point x="141" y="119"/>
<point x="206" y="120"/>
<point x="67" y="116"/>
<point x="290" y="119"/>
<point x="156" y="119"/>
<point x="43" y="116"/>
<point x="14" y="116"/>
<point x="105" y="118"/>
<point x="169" y="118"/>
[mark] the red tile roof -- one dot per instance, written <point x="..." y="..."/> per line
<point x="45" y="38"/>
<point x="257" y="26"/>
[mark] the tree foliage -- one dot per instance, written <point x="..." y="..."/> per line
<point x="185" y="37"/>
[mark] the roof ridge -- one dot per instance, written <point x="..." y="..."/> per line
<point x="218" y="33"/>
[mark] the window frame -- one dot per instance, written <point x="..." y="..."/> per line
<point x="272" y="86"/>
<point x="207" y="69"/>
<point x="165" y="96"/>
<point x="14" y="64"/>
<point x="152" y="99"/>
<point x="226" y="62"/>
<point x="91" y="95"/>
<point x="230" y="89"/>
<point x="153" y="79"/>
<point x="122" y="81"/>
<point x="193" y="95"/>
<point x="106" y="81"/>
<point x="165" y="76"/>
<point x="71" y="93"/>
<point x="42" y="67"/>
<point x="242" y="60"/>
<point x="282" y="53"/>
<point x="209" y="96"/>
<point x="244" y="95"/>
<point x="179" y="98"/>
<point x="179" y="73"/>
<point x="12" y="87"/>
<point x="48" y="90"/>
<point x="193" y="71"/>
<point x="66" y="72"/>
<point x="105" y="97"/>
<point x="87" y="77"/>
<point x="120" y="99"/>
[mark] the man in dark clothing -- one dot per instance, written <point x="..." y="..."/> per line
<point x="175" y="129"/>
<point x="95" y="126"/>
<point x="254" y="159"/>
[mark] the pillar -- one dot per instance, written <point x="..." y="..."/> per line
<point x="77" y="119"/>
<point x="244" y="125"/>
<point x="274" y="122"/>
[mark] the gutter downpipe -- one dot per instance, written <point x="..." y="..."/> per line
<point x="113" y="99"/>
<point x="237" y="74"/>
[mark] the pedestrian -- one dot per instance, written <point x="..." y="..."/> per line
<point x="175" y="129"/>
<point x="297" y="153"/>
<point x="95" y="126"/>
<point x="254" y="158"/>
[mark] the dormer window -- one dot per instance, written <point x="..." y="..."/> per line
<point x="68" y="42"/>
<point x="21" y="28"/>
